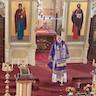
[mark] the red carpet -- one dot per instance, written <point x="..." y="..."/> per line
<point x="83" y="70"/>
<point x="46" y="87"/>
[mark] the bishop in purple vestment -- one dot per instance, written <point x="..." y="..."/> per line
<point x="58" y="55"/>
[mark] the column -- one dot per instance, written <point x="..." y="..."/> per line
<point x="7" y="45"/>
<point x="64" y="21"/>
<point x="23" y="88"/>
<point x="86" y="45"/>
<point x="32" y="50"/>
<point x="34" y="21"/>
<point x="31" y="56"/>
<point x="58" y="8"/>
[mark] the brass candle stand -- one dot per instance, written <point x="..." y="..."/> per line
<point x="7" y="67"/>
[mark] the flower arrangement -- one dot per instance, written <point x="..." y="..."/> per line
<point x="94" y="87"/>
<point x="70" y="90"/>
<point x="88" y="88"/>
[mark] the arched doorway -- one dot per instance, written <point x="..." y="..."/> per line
<point x="50" y="14"/>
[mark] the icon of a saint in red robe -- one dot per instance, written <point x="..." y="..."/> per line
<point x="77" y="19"/>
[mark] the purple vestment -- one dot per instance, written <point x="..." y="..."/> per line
<point x="59" y="53"/>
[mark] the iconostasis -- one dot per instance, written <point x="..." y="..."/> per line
<point x="47" y="18"/>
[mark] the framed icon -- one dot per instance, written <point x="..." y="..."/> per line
<point x="77" y="20"/>
<point x="20" y="20"/>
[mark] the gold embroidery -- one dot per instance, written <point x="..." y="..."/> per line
<point x="61" y="64"/>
